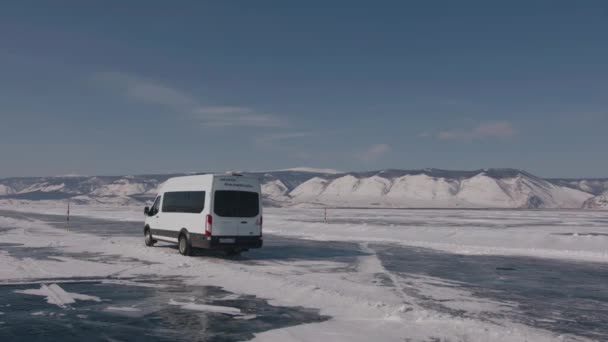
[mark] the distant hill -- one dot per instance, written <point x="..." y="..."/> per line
<point x="486" y="188"/>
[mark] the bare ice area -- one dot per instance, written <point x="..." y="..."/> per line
<point x="386" y="275"/>
<point x="140" y="313"/>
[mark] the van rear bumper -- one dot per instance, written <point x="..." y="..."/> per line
<point x="213" y="242"/>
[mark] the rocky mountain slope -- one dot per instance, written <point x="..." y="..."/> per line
<point x="488" y="188"/>
<point x="595" y="186"/>
<point x="597" y="202"/>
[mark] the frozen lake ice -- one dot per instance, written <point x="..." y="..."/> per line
<point x="350" y="269"/>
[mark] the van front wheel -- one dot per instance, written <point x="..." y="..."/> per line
<point x="184" y="245"/>
<point x="148" y="239"/>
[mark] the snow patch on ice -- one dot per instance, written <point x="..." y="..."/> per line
<point x="122" y="308"/>
<point x="246" y="317"/>
<point x="132" y="283"/>
<point x="207" y="308"/>
<point x="56" y="295"/>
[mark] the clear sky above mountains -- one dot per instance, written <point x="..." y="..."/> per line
<point x="109" y="87"/>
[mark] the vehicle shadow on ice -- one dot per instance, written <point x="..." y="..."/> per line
<point x="287" y="249"/>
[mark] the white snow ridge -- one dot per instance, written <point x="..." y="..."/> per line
<point x="482" y="190"/>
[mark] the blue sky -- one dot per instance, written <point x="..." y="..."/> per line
<point x="109" y="87"/>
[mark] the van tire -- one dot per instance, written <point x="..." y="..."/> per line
<point x="148" y="239"/>
<point x="183" y="245"/>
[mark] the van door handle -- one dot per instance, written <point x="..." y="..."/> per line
<point x="243" y="221"/>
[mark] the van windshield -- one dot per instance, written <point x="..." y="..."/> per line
<point x="230" y="203"/>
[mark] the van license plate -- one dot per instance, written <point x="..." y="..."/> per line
<point x="227" y="240"/>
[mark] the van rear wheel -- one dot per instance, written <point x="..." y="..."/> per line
<point x="184" y="245"/>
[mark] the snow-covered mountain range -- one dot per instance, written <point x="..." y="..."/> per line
<point x="432" y="188"/>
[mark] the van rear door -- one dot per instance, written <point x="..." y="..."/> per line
<point x="237" y="204"/>
<point x="224" y="224"/>
<point x="249" y="227"/>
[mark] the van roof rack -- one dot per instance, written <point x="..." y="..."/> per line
<point x="233" y="173"/>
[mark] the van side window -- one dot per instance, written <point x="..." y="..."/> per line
<point x="184" y="202"/>
<point x="155" y="206"/>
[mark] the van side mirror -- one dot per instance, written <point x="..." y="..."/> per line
<point x="147" y="211"/>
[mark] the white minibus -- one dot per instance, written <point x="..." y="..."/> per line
<point x="216" y="211"/>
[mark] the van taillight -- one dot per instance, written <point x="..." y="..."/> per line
<point x="208" y="223"/>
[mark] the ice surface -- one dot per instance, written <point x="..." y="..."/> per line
<point x="365" y="298"/>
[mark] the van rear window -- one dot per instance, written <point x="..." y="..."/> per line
<point x="184" y="202"/>
<point x="230" y="203"/>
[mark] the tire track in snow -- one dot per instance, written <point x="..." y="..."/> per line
<point x="371" y="264"/>
<point x="412" y="297"/>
